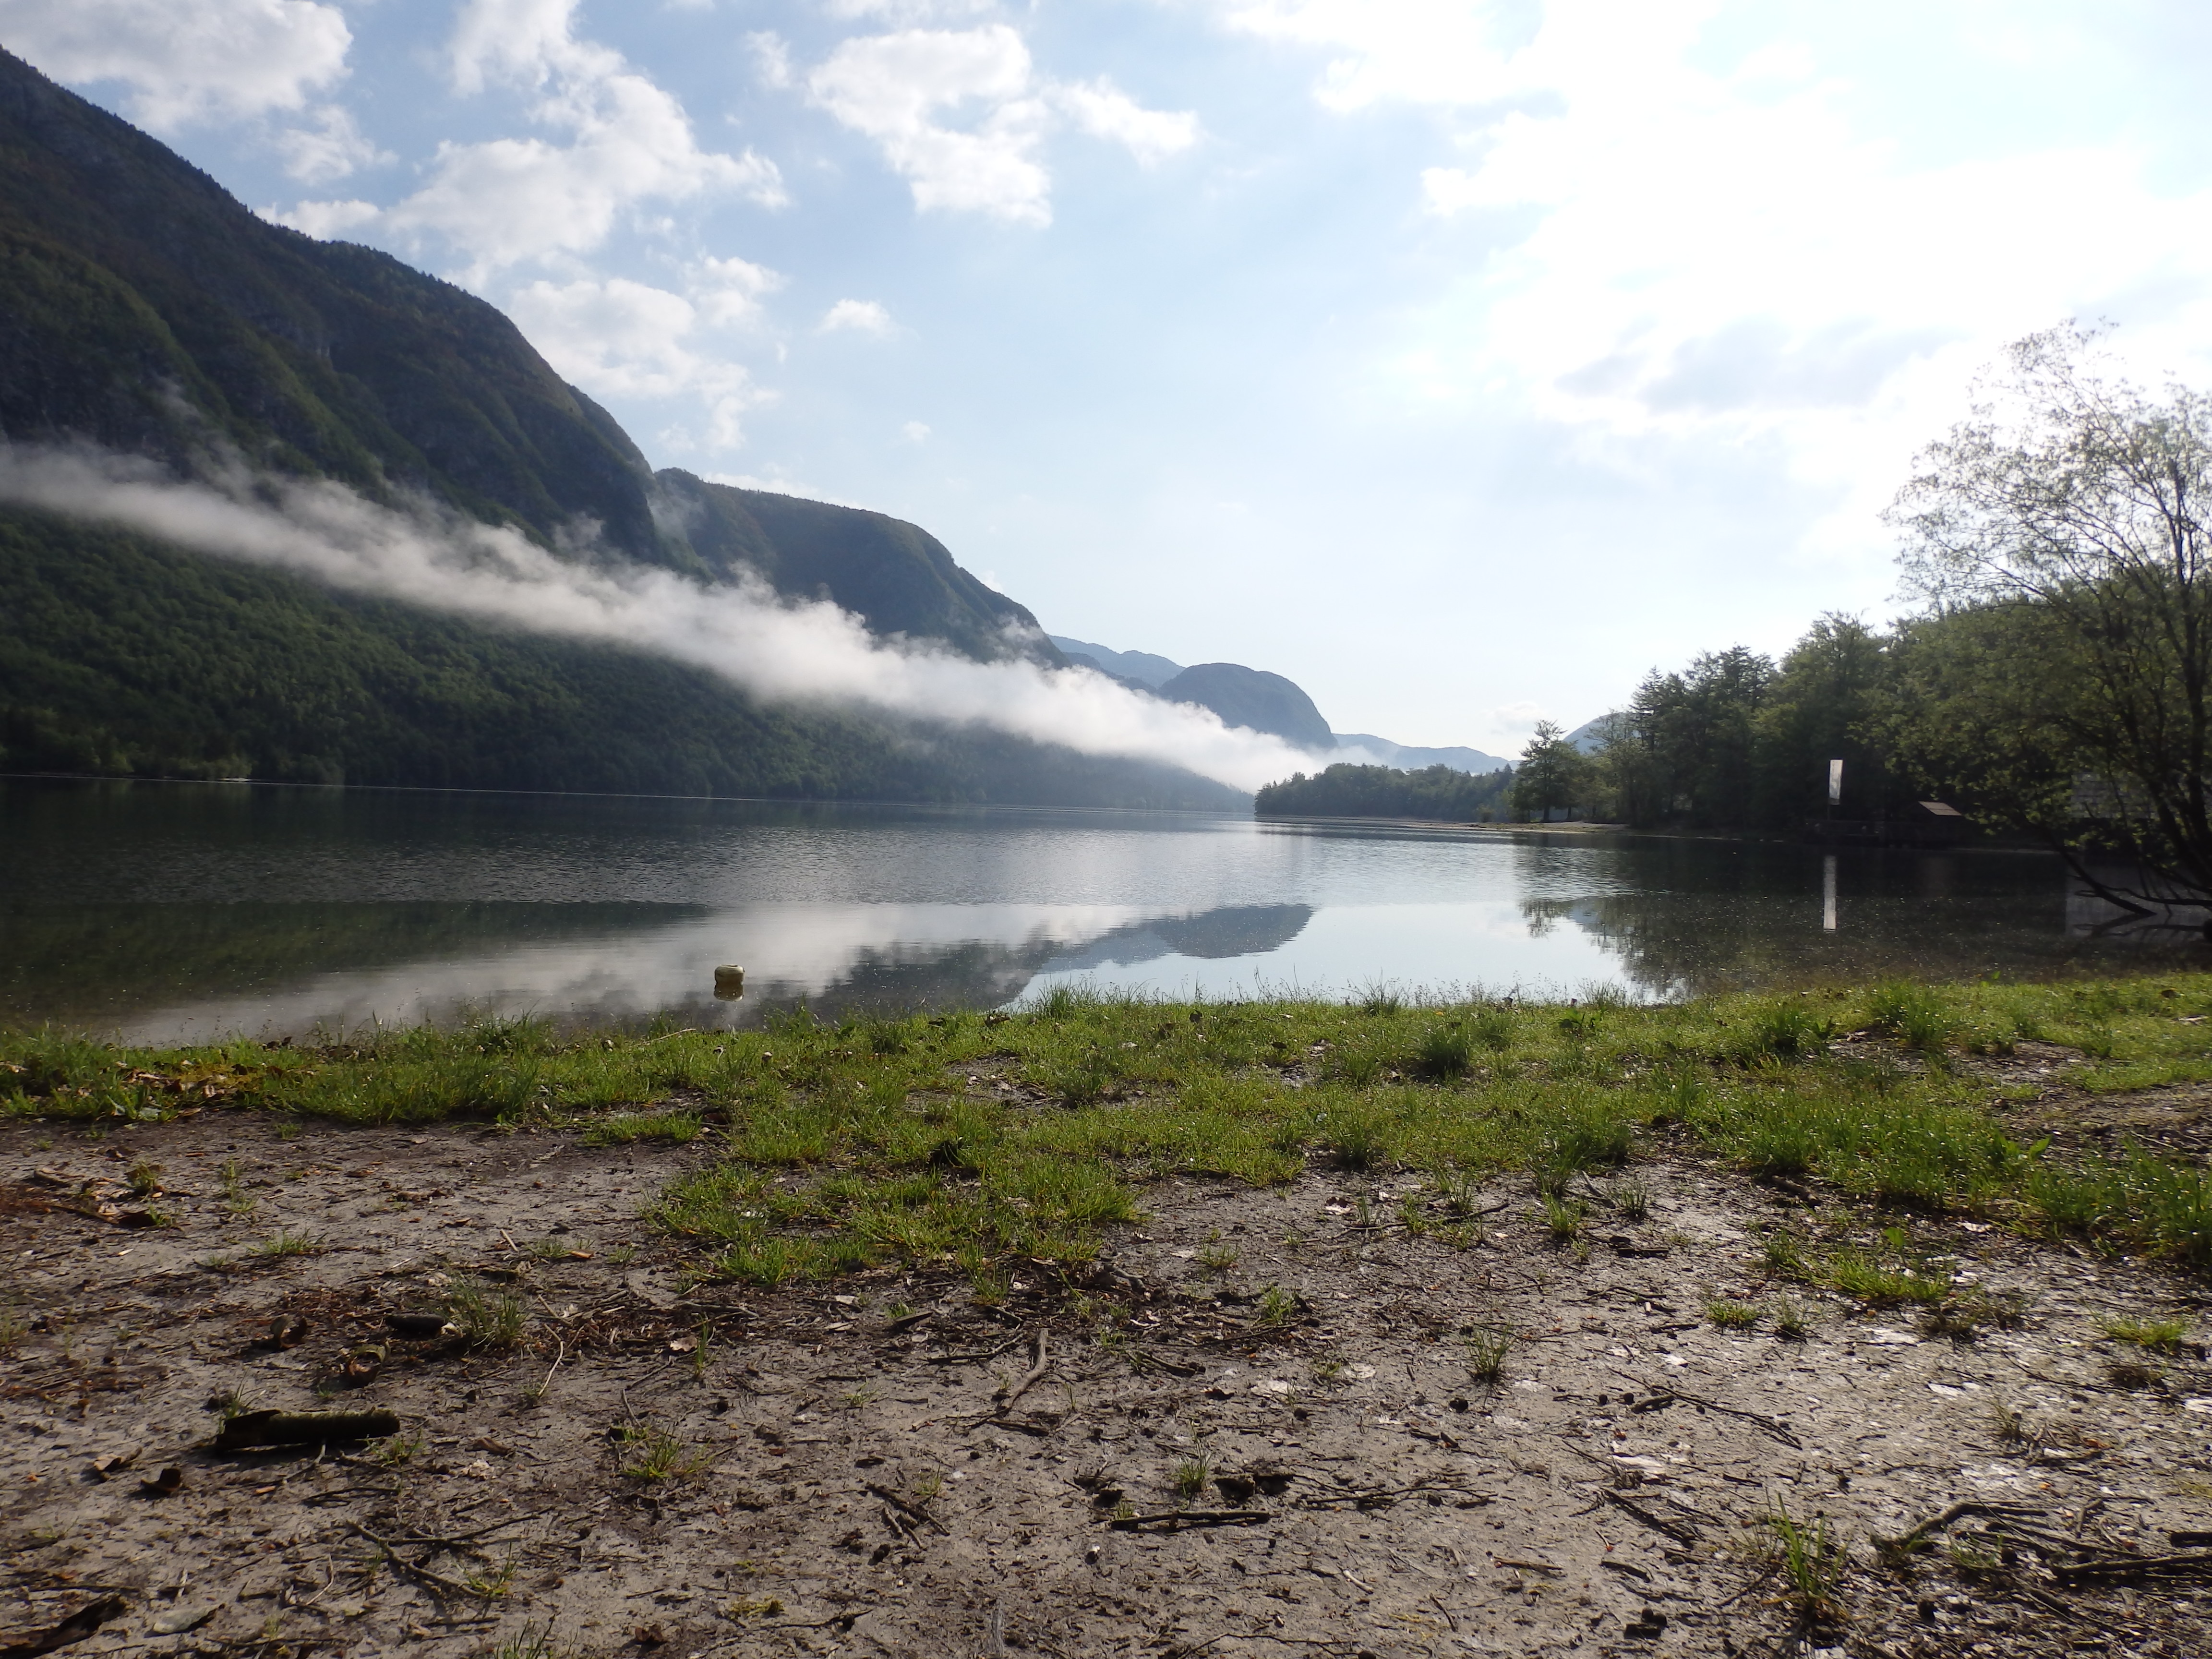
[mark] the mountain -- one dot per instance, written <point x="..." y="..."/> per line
<point x="1144" y="668"/>
<point x="1252" y="698"/>
<point x="119" y="655"/>
<point x="145" y="309"/>
<point x="895" y="576"/>
<point x="1589" y="736"/>
<point x="1139" y="667"/>
<point x="1407" y="758"/>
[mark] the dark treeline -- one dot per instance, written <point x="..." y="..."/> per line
<point x="1383" y="792"/>
<point x="120" y="657"/>
<point x="1738" y="741"/>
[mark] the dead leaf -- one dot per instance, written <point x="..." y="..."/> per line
<point x="170" y="1479"/>
<point x="104" y="1467"/>
<point x="649" y="1636"/>
<point x="681" y="1344"/>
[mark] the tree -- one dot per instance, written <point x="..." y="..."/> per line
<point x="1552" y="772"/>
<point x="1698" y="729"/>
<point x="2062" y="517"/>
<point x="1825" y="704"/>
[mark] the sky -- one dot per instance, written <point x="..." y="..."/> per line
<point x="1462" y="361"/>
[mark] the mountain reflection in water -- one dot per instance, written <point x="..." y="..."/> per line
<point x="166" y="912"/>
<point x="194" y="971"/>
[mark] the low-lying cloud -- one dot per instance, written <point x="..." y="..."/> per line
<point x="778" y="649"/>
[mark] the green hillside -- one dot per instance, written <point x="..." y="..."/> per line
<point x="895" y="576"/>
<point x="144" y="308"/>
<point x="121" y="656"/>
<point x="1255" y="698"/>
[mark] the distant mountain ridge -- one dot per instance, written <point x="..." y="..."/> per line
<point x="1146" y="669"/>
<point x="1141" y="666"/>
<point x="1407" y="758"/>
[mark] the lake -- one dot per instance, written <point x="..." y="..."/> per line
<point x="175" y="912"/>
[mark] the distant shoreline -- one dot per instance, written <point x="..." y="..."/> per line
<point x="1579" y="829"/>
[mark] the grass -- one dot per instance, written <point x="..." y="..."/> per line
<point x="1810" y="1560"/>
<point x="487" y="1318"/>
<point x="1191" y="1476"/>
<point x="848" y="1143"/>
<point x="1487" y="1348"/>
<point x="286" y="1242"/>
<point x="531" y="1642"/>
<point x="2159" y="1336"/>
<point x="655" y="1455"/>
<point x="623" y="1128"/>
<point x="1734" y="1315"/>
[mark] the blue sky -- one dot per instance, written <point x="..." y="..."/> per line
<point x="1462" y="361"/>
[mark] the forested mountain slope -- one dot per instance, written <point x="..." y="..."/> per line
<point x="121" y="656"/>
<point x="143" y="307"/>
<point x="145" y="310"/>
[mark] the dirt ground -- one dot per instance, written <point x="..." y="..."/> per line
<point x="882" y="1466"/>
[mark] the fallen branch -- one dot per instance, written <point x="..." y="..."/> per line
<point x="975" y="1358"/>
<point x="1665" y="1397"/>
<point x="84" y="1622"/>
<point x="1174" y="1519"/>
<point x="1684" y="1534"/>
<point x="1006" y="1396"/>
<point x="2154" y="1566"/>
<point x="252" y="1431"/>
<point x="450" y="1541"/>
<point x="1906" y="1542"/>
<point x="1041" y="1430"/>
<point x="436" y="1582"/>
<point x="1382" y="1495"/>
<point x="912" y="1511"/>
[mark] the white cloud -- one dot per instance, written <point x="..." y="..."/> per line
<point x="890" y="87"/>
<point x="784" y="651"/>
<point x="901" y="90"/>
<point x="506" y="200"/>
<point x="773" y="56"/>
<point x="324" y="220"/>
<point x="1687" y="242"/>
<point x="914" y="432"/>
<point x="186" y="60"/>
<point x="622" y="339"/>
<point x="860" y="316"/>
<point x="729" y="291"/>
<point x="329" y="148"/>
<point x="1440" y="51"/>
<point x="910" y="11"/>
<point x="1104" y="110"/>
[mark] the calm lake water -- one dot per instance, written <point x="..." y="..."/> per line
<point x="172" y="911"/>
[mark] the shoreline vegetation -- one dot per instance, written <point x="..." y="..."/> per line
<point x="973" y="1143"/>
<point x="1720" y="1320"/>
